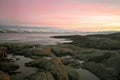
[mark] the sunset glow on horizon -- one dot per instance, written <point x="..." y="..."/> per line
<point x="81" y="15"/>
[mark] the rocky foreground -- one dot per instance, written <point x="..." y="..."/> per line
<point x="48" y="60"/>
<point x="6" y="65"/>
<point x="100" y="54"/>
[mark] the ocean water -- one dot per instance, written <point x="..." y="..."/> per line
<point x="34" y="38"/>
<point x="36" y="35"/>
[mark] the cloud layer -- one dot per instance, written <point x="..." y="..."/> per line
<point x="85" y="15"/>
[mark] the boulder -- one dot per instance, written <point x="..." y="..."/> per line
<point x="71" y="62"/>
<point x="3" y="53"/>
<point x="59" y="51"/>
<point x="56" y="68"/>
<point x="8" y="66"/>
<point x="41" y="75"/>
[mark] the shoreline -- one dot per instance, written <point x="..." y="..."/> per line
<point x="91" y="48"/>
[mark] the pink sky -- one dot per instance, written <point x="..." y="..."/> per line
<point x="82" y="15"/>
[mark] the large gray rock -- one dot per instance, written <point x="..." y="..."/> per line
<point x="56" y="68"/>
<point x="3" y="53"/>
<point x="71" y="62"/>
<point x="41" y="75"/>
<point x="60" y="51"/>
<point x="8" y="66"/>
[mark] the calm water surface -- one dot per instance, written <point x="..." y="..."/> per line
<point x="37" y="38"/>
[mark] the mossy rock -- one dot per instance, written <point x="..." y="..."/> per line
<point x="8" y="66"/>
<point x="56" y="68"/>
<point x="42" y="75"/>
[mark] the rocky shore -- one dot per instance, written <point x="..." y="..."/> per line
<point x="47" y="59"/>
<point x="100" y="54"/>
<point x="6" y="65"/>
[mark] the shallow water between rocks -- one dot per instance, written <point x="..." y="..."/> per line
<point x="24" y="71"/>
<point x="84" y="74"/>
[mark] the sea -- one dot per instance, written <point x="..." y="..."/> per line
<point x="37" y="35"/>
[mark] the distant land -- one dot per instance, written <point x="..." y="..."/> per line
<point x="44" y="29"/>
<point x="32" y="29"/>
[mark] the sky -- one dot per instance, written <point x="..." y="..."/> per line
<point x="80" y="15"/>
